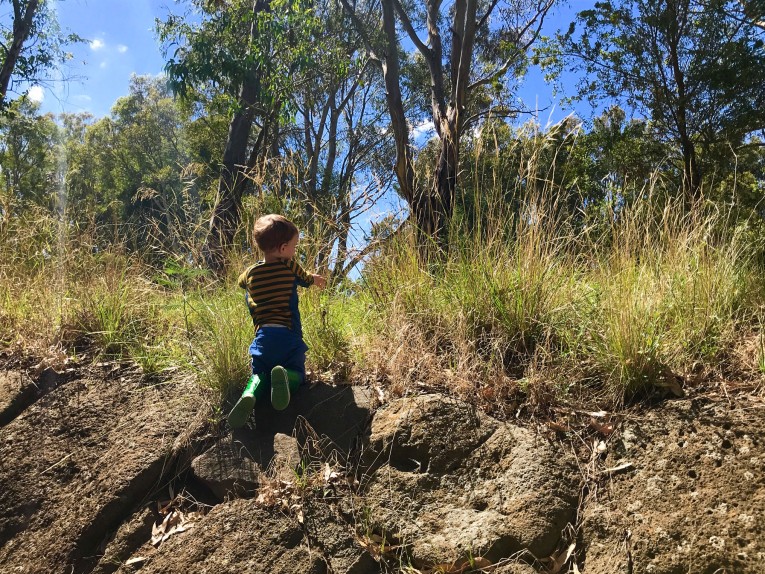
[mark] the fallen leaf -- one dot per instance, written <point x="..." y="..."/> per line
<point x="603" y="428"/>
<point x="558" y="426"/>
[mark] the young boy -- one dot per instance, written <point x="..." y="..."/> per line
<point x="278" y="350"/>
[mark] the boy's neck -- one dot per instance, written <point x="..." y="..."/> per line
<point x="271" y="257"/>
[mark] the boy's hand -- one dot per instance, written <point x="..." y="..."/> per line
<point x="319" y="281"/>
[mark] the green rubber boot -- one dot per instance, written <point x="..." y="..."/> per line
<point x="282" y="382"/>
<point x="243" y="407"/>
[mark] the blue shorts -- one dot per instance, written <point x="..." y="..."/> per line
<point x="274" y="346"/>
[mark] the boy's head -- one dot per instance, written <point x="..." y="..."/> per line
<point x="272" y="232"/>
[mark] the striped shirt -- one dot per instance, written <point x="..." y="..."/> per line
<point x="272" y="292"/>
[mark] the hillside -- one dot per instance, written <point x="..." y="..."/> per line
<point x="105" y="470"/>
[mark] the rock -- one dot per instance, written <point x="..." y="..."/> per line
<point x="226" y="470"/>
<point x="319" y="419"/>
<point x="514" y="568"/>
<point x="453" y="482"/>
<point x="429" y="433"/>
<point x="337" y="415"/>
<point x="330" y="531"/>
<point x="17" y="391"/>
<point x="237" y="537"/>
<point x="694" y="500"/>
<point x="130" y="536"/>
<point x="79" y="459"/>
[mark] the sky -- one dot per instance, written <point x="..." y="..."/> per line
<point x="121" y="42"/>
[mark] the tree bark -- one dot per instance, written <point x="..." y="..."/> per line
<point x="691" y="171"/>
<point x="22" y="25"/>
<point x="227" y="212"/>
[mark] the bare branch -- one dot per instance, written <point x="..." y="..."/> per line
<point x="407" y="24"/>
<point x="538" y="19"/>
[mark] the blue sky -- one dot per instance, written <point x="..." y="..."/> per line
<point x="121" y="42"/>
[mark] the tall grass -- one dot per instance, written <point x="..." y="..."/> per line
<point x="530" y="298"/>
<point x="533" y="297"/>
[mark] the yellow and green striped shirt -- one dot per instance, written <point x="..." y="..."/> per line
<point x="272" y="292"/>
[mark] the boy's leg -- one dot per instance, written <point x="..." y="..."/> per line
<point x="287" y="377"/>
<point x="280" y="388"/>
<point x="243" y="407"/>
<point x="284" y="382"/>
<point x="295" y="366"/>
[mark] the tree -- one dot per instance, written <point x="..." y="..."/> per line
<point x="673" y="61"/>
<point x="471" y="50"/>
<point x="28" y="156"/>
<point x="338" y="144"/>
<point x="248" y="51"/>
<point x="31" y="19"/>
<point x="126" y="168"/>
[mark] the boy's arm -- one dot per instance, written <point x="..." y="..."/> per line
<point x="243" y="278"/>
<point x="304" y="279"/>
<point x="319" y="281"/>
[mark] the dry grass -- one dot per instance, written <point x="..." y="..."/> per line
<point x="532" y="304"/>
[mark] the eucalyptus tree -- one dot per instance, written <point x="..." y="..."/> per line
<point x="339" y="142"/>
<point x="694" y="68"/>
<point x="246" y="52"/>
<point x="473" y="52"/>
<point x="127" y="167"/>
<point x="31" y="43"/>
<point x="28" y="157"/>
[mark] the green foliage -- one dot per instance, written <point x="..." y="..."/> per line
<point x="671" y="62"/>
<point x="235" y="41"/>
<point x="128" y="168"/>
<point x="42" y="43"/>
<point x="29" y="156"/>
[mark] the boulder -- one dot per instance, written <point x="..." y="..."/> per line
<point x="226" y="470"/>
<point x="80" y="459"/>
<point x="237" y="537"/>
<point x="452" y="482"/>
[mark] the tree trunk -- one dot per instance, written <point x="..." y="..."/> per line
<point x="227" y="212"/>
<point x="22" y="24"/>
<point x="691" y="171"/>
<point x="403" y="167"/>
<point x="439" y="207"/>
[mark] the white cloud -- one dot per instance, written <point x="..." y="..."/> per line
<point x="121" y="48"/>
<point x="426" y="128"/>
<point x="83" y="98"/>
<point x="96" y="44"/>
<point x="36" y="94"/>
<point x="103" y="64"/>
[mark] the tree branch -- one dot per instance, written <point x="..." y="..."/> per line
<point x="360" y="28"/>
<point x="538" y="19"/>
<point x="407" y="24"/>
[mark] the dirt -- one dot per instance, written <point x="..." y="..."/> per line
<point x="80" y="459"/>
<point x="96" y="476"/>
